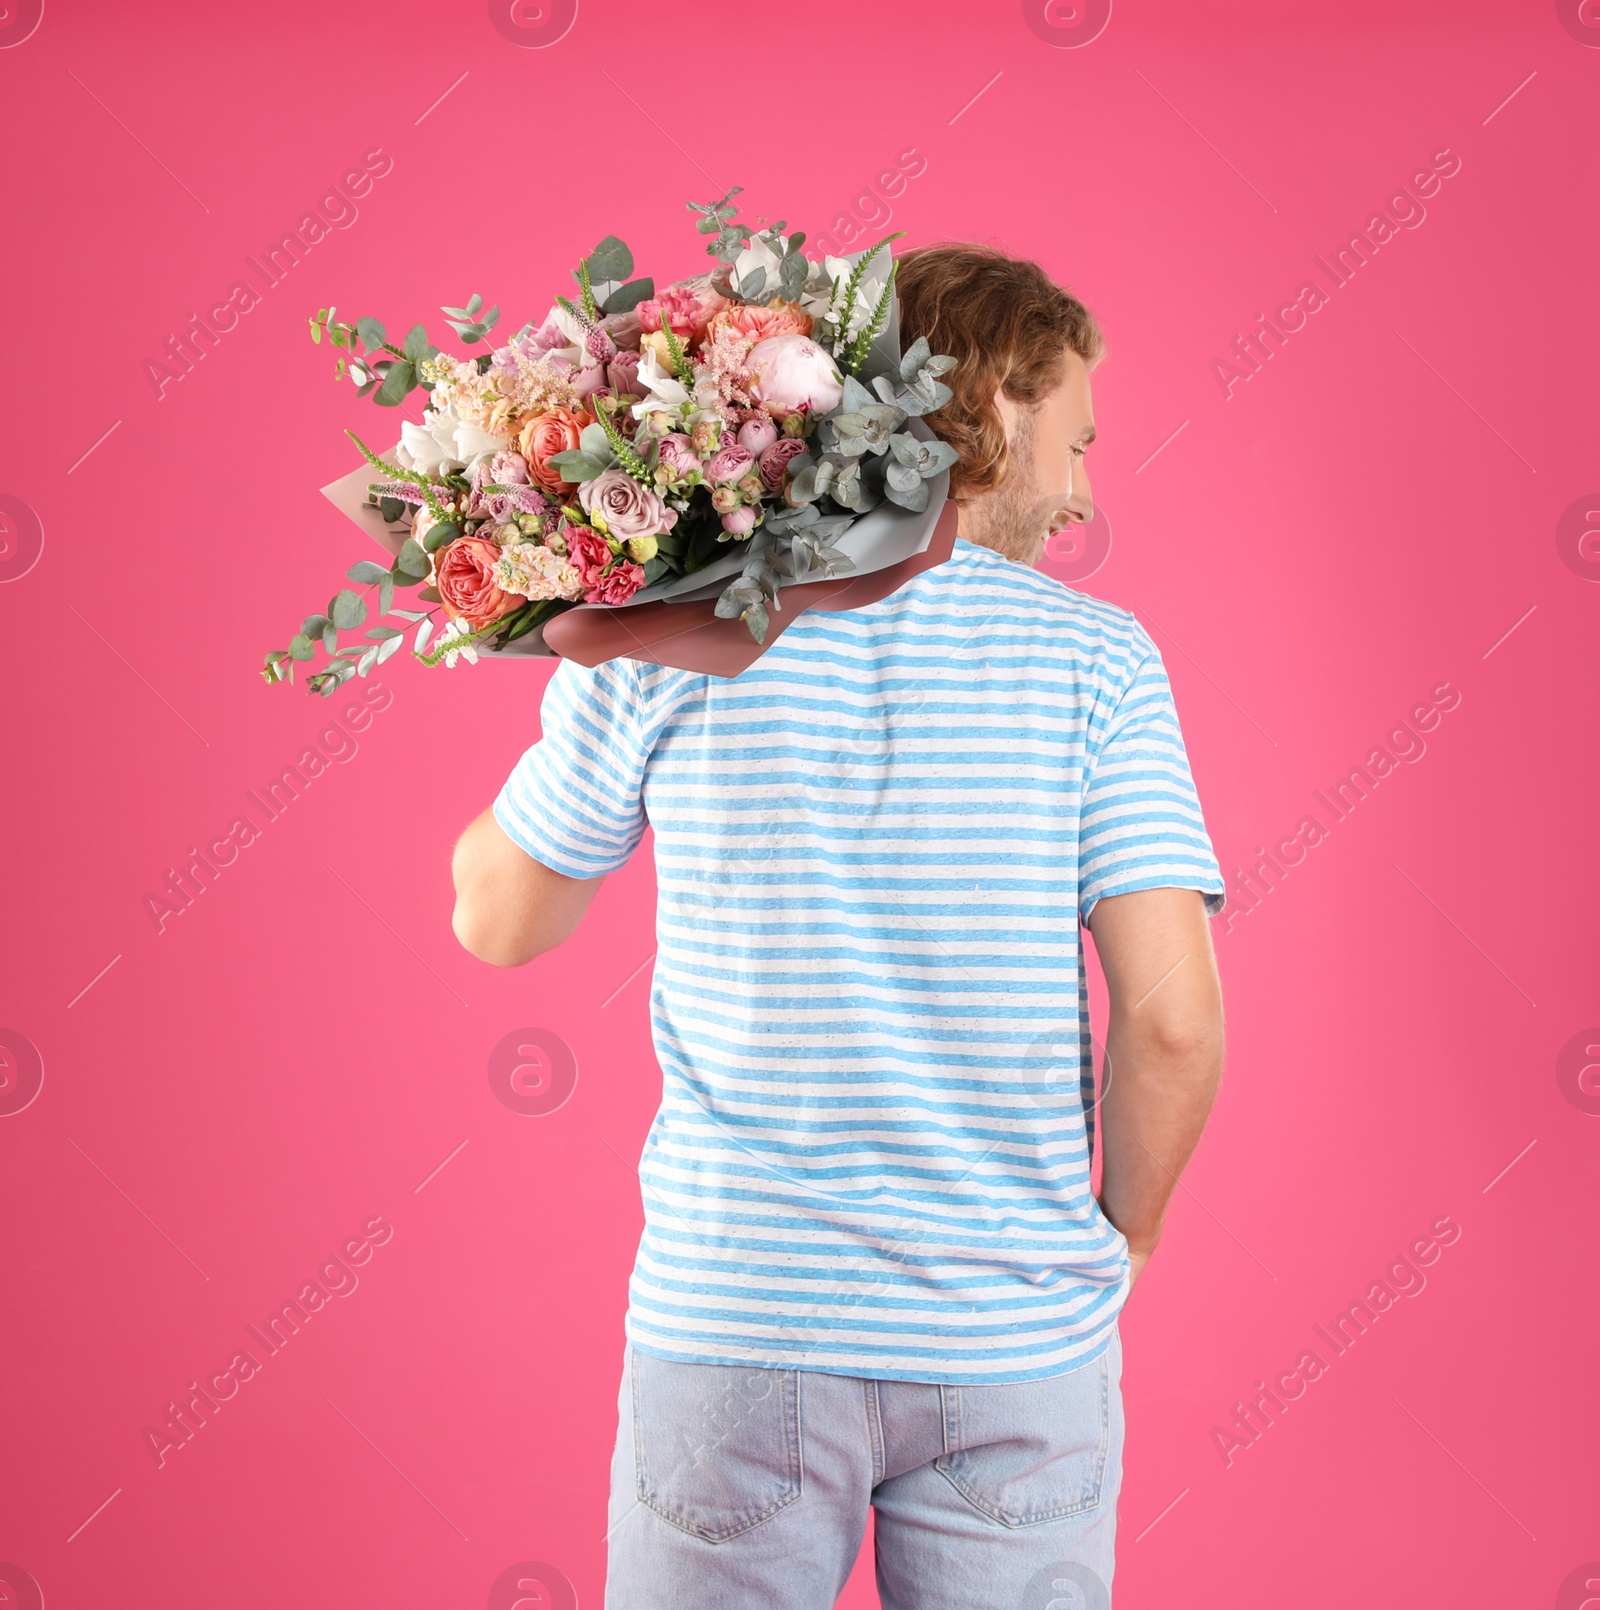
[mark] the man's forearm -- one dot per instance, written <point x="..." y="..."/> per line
<point x="1159" y="1092"/>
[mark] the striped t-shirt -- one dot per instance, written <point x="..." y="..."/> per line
<point x="873" y="851"/>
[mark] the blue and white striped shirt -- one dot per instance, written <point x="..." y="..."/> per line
<point x="873" y="850"/>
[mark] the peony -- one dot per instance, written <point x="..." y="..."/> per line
<point x="464" y="573"/>
<point x="774" y="460"/>
<point x="546" y="434"/>
<point x="758" y="435"/>
<point x="729" y="464"/>
<point x="779" y="318"/>
<point x="794" y="375"/>
<point x="628" y="509"/>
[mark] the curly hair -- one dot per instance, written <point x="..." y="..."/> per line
<point x="1008" y="325"/>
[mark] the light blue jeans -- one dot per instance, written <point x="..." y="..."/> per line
<point x="748" y="1489"/>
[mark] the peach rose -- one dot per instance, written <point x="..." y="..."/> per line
<point x="777" y="318"/>
<point x="463" y="571"/>
<point x="556" y="430"/>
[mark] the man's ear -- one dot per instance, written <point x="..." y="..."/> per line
<point x="1010" y="412"/>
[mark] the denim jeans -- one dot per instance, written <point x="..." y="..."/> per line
<point x="748" y="1489"/>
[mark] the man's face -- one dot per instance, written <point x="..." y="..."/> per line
<point x="1046" y="485"/>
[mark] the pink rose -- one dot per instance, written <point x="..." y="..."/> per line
<point x="623" y="375"/>
<point x="677" y="453"/>
<point x="758" y="435"/>
<point x="729" y="464"/>
<point x="780" y="318"/>
<point x="623" y="328"/>
<point x="463" y="571"/>
<point x="774" y="460"/>
<point x="794" y="375"/>
<point x="739" y="522"/>
<point x="588" y="380"/>
<point x="543" y="436"/>
<point x="629" y="510"/>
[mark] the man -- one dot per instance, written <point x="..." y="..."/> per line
<point x="874" y="1273"/>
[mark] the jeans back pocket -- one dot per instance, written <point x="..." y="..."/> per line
<point x="1030" y="1451"/>
<point x="716" y="1446"/>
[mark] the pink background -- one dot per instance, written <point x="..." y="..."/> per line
<point x="225" y="1103"/>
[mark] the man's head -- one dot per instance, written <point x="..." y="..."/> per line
<point x="1021" y="417"/>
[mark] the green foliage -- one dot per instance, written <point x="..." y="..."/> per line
<point x="465" y="321"/>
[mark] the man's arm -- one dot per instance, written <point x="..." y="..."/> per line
<point x="510" y="907"/>
<point x="1163" y="1051"/>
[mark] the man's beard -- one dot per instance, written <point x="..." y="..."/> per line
<point x="1014" y="519"/>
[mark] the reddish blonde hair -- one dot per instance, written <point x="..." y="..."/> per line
<point x="1008" y="325"/>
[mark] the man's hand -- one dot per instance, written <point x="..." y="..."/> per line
<point x="510" y="907"/>
<point x="1163" y="1052"/>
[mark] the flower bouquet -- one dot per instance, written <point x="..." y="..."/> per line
<point x="746" y="430"/>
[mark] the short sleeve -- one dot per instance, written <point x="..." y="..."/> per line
<point x="574" y="800"/>
<point x="1141" y="825"/>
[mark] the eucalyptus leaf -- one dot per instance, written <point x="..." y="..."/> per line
<point x="388" y="648"/>
<point x="364" y="571"/>
<point x="412" y="559"/>
<point x="348" y="609"/>
<point x="416" y="343"/>
<point x="610" y="260"/>
<point x="437" y="536"/>
<point x="312" y="625"/>
<point x="630" y="295"/>
<point x="381" y="634"/>
<point x="391" y="509"/>
<point x="301" y="647"/>
<point x="371" y="332"/>
<point x="401" y="379"/>
<point x="385" y="594"/>
<point x="367" y="661"/>
<point x="579" y="466"/>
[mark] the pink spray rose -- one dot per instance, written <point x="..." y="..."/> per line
<point x="758" y="435"/>
<point x="774" y="460"/>
<point x="729" y="464"/>
<point x="794" y="375"/>
<point x="629" y="510"/>
<point x="677" y="453"/>
<point x="739" y="522"/>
